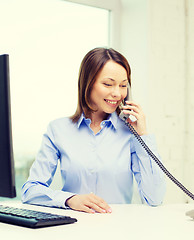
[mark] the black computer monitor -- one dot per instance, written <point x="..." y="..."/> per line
<point x="7" y="174"/>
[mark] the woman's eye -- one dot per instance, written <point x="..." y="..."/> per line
<point x="124" y="86"/>
<point x="107" y="84"/>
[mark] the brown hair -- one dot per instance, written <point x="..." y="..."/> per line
<point x="90" y="66"/>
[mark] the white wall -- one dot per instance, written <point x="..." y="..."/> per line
<point x="189" y="101"/>
<point x="167" y="83"/>
<point x="157" y="37"/>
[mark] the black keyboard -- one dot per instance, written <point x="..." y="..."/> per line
<point x="31" y="218"/>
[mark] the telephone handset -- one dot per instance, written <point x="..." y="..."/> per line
<point x="124" y="117"/>
<point x="127" y="98"/>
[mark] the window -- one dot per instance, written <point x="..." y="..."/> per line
<point x="46" y="41"/>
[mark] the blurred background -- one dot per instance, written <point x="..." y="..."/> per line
<point x="46" y="41"/>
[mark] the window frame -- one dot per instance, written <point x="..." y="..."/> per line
<point x="114" y="7"/>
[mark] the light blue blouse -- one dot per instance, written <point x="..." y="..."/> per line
<point x="102" y="163"/>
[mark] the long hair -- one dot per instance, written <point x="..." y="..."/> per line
<point x="90" y="66"/>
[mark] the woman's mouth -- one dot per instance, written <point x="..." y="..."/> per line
<point x="111" y="102"/>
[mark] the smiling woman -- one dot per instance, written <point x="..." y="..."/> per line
<point x="98" y="154"/>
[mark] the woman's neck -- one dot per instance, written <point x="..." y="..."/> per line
<point x="96" y="120"/>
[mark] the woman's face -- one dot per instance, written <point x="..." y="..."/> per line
<point x="110" y="88"/>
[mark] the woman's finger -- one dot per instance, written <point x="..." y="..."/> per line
<point x="99" y="204"/>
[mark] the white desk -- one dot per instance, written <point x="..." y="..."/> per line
<point x="125" y="222"/>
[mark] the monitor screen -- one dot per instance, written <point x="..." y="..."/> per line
<point x="7" y="174"/>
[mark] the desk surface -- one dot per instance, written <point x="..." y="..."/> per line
<point x="125" y="222"/>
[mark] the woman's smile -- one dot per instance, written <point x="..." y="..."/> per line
<point x="111" y="103"/>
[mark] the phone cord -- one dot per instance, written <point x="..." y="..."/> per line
<point x="153" y="156"/>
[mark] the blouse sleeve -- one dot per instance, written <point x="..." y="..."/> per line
<point x="149" y="177"/>
<point x="36" y="189"/>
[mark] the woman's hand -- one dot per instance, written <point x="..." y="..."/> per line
<point x="89" y="203"/>
<point x="135" y="110"/>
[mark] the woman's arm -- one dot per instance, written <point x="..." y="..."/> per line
<point x="36" y="190"/>
<point x="149" y="176"/>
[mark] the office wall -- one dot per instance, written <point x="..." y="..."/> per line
<point x="167" y="82"/>
<point x="157" y="37"/>
<point x="189" y="102"/>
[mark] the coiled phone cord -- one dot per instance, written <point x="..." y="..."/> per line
<point x="153" y="156"/>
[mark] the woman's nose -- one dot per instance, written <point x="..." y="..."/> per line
<point x="116" y="92"/>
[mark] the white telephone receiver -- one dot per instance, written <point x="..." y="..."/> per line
<point x="127" y="98"/>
